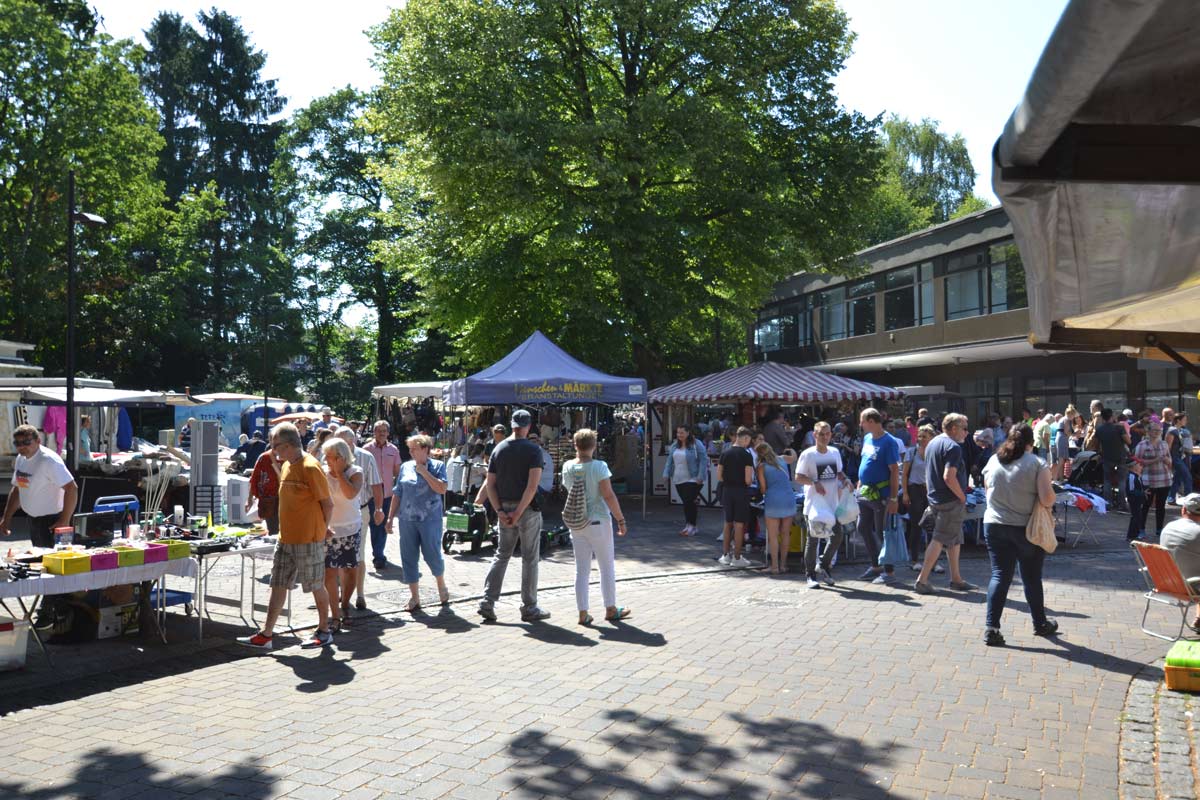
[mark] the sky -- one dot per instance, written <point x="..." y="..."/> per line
<point x="964" y="63"/>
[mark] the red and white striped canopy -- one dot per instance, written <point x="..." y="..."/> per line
<point x="768" y="380"/>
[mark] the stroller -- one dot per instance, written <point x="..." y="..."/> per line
<point x="1086" y="471"/>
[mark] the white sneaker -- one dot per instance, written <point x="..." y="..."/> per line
<point x="915" y="566"/>
<point x="725" y="560"/>
<point x="741" y="561"/>
<point x="812" y="584"/>
<point x="939" y="569"/>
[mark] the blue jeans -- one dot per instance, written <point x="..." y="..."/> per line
<point x="421" y="537"/>
<point x="1182" y="484"/>
<point x="1009" y="549"/>
<point x="379" y="532"/>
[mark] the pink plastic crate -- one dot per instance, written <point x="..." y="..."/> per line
<point x="104" y="561"/>
<point x="155" y="553"/>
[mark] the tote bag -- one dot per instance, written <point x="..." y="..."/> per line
<point x="1040" y="528"/>
<point x="575" y="513"/>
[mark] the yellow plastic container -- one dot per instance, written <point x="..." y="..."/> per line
<point x="1182" y="679"/>
<point x="130" y="556"/>
<point x="67" y="562"/>
<point x="176" y="549"/>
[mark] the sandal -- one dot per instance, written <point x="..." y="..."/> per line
<point x="444" y="596"/>
<point x="413" y="606"/>
<point x="622" y="613"/>
<point x="588" y="620"/>
<point x="335" y="624"/>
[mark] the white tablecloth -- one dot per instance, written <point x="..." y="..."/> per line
<point x="101" y="579"/>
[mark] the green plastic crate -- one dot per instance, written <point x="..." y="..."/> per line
<point x="459" y="523"/>
<point x="1184" y="654"/>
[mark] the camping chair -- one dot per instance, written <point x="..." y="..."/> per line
<point x="1165" y="584"/>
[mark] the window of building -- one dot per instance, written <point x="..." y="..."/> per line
<point x="860" y="308"/>
<point x="982" y="282"/>
<point x="767" y="335"/>
<point x="832" y="303"/>
<point x="1162" y="388"/>
<point x="1107" y="387"/>
<point x="1051" y="395"/>
<point x="908" y="297"/>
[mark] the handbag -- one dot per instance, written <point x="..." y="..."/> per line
<point x="1040" y="528"/>
<point x="575" y="513"/>
<point x="895" y="549"/>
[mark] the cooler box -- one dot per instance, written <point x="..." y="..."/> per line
<point x="1183" y="667"/>
<point x="67" y="562"/>
<point x="14" y="635"/>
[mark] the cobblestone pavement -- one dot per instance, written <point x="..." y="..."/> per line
<point x="729" y="684"/>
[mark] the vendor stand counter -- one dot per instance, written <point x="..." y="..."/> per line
<point x="253" y="554"/>
<point x="45" y="585"/>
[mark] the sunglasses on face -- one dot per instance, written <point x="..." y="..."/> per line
<point x="21" y="442"/>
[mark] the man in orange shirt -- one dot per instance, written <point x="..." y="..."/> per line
<point x="305" y="509"/>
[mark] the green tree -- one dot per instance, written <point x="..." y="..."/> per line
<point x="217" y="119"/>
<point x="933" y="167"/>
<point x="327" y="162"/>
<point x="630" y="177"/>
<point x="970" y="204"/>
<point x="69" y="98"/>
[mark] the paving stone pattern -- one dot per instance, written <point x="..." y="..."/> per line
<point x="725" y="684"/>
<point x="1159" y="754"/>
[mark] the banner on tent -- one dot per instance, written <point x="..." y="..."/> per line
<point x="565" y="392"/>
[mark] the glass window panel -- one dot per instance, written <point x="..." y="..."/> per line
<point x="964" y="261"/>
<point x="926" y="290"/>
<point x="927" y="271"/>
<point x="900" y="277"/>
<point x="1160" y="378"/>
<point x="1018" y="297"/>
<point x="1157" y="401"/>
<point x="964" y="294"/>
<point x="1004" y="385"/>
<point x="863" y="289"/>
<point x="900" y="308"/>
<point x="833" y="313"/>
<point x="977" y="386"/>
<point x="999" y="288"/>
<point x="766" y="336"/>
<point x="862" y="316"/>
<point x="1000" y="252"/>
<point x="788" y="329"/>
<point x="1088" y="382"/>
<point x="1057" y="382"/>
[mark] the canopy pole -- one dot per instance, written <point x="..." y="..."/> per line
<point x="646" y="458"/>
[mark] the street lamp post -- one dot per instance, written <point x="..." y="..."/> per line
<point x="92" y="220"/>
<point x="266" y="367"/>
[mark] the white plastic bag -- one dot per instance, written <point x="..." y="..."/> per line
<point x="821" y="512"/>
<point x="847" y="505"/>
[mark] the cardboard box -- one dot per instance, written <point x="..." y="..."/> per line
<point x="117" y="621"/>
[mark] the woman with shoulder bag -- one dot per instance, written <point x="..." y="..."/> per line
<point x="1016" y="481"/>
<point x="264" y="485"/>
<point x="686" y="470"/>
<point x="595" y="537"/>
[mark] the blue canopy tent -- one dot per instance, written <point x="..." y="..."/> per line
<point x="540" y="372"/>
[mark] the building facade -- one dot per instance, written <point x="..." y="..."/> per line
<point x="943" y="313"/>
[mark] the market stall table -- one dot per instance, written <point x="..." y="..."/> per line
<point x="45" y="585"/>
<point x="253" y="553"/>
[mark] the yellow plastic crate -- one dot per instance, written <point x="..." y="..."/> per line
<point x="1182" y="679"/>
<point x="67" y="563"/>
<point x="130" y="556"/>
<point x="176" y="549"/>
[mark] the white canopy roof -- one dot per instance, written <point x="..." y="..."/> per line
<point x="1099" y="170"/>
<point x="414" y="389"/>
<point x="57" y="395"/>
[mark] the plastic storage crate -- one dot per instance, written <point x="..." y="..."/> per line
<point x="67" y="562"/>
<point x="176" y="548"/>
<point x="1182" y="668"/>
<point x="130" y="556"/>
<point x="14" y="636"/>
<point x="104" y="560"/>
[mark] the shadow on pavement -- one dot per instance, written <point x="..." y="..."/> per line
<point x="628" y="634"/>
<point x="803" y="759"/>
<point x="318" y="672"/>
<point x="102" y="770"/>
<point x="445" y="620"/>
<point x="548" y="633"/>
<point x="1078" y="654"/>
<point x="852" y="593"/>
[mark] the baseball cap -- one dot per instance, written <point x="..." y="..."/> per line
<point x="1191" y="502"/>
<point x="521" y="418"/>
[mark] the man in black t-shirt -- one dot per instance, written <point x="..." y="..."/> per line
<point x="512" y="481"/>
<point x="1114" y="449"/>
<point x="735" y="473"/>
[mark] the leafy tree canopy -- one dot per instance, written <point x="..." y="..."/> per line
<point x="629" y="176"/>
<point x="933" y="167"/>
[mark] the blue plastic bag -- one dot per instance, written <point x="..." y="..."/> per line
<point x="895" y="549"/>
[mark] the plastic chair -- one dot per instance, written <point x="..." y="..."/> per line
<point x="1165" y="584"/>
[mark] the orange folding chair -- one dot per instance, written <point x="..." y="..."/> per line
<point x="1165" y="584"/>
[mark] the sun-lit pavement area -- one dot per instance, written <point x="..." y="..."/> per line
<point x="726" y="684"/>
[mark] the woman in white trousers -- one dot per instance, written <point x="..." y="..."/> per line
<point x="595" y="539"/>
